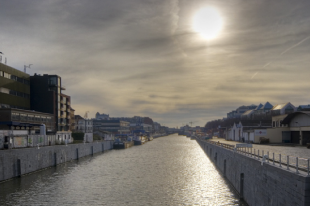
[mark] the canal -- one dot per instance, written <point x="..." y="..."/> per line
<point x="169" y="170"/>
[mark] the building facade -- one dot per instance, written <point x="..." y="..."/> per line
<point x="47" y="97"/>
<point x="14" y="88"/>
<point x="113" y="126"/>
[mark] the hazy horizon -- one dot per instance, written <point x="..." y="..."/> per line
<point x="145" y="58"/>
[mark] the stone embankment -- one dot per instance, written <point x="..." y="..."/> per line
<point x="18" y="162"/>
<point x="259" y="183"/>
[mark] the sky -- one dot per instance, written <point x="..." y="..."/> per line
<point x="131" y="58"/>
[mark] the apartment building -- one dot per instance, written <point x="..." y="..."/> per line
<point x="14" y="88"/>
<point x="47" y="96"/>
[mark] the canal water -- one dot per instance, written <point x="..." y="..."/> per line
<point x="170" y="170"/>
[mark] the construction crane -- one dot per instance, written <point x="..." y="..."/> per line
<point x="25" y="66"/>
<point x="86" y="115"/>
<point x="192" y="122"/>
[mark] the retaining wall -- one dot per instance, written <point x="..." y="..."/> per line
<point x="257" y="184"/>
<point x="17" y="162"/>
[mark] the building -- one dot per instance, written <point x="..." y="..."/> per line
<point x="265" y="108"/>
<point x="303" y="108"/>
<point x="156" y="126"/>
<point x="102" y="116"/>
<point x="25" y="128"/>
<point x="112" y="126"/>
<point x="85" y="126"/>
<point x="14" y="87"/>
<point x="291" y="128"/>
<point x="248" y="130"/>
<point x="239" y="111"/>
<point x="47" y="97"/>
<point x="19" y="119"/>
<point x="141" y="126"/>
<point x="72" y="119"/>
<point x="281" y="109"/>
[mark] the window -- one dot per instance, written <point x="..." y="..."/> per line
<point x="15" y="116"/>
<point x="4" y="106"/>
<point x="13" y="77"/>
<point x="7" y="75"/>
<point x="1" y="73"/>
<point x="37" y="118"/>
<point x="52" y="81"/>
<point x="4" y="90"/>
<point x="23" y="117"/>
<point x="20" y="80"/>
<point x="30" y="117"/>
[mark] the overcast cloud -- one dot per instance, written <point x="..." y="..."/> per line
<point x="142" y="57"/>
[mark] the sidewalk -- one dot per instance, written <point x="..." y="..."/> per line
<point x="290" y="150"/>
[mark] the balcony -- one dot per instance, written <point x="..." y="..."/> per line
<point x="68" y="103"/>
<point x="62" y="124"/>
<point x="62" y="87"/>
<point x="62" y="109"/>
<point x="68" y="110"/>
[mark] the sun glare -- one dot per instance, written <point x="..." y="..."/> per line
<point x="208" y="23"/>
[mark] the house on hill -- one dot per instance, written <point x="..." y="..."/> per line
<point x="281" y="109"/>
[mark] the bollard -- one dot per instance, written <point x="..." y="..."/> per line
<point x="287" y="162"/>
<point x="273" y="158"/>
<point x="258" y="154"/>
<point x="296" y="165"/>
<point x="77" y="153"/>
<point x="19" y="168"/>
<point x="55" y="159"/>
<point x="280" y="160"/>
<point x="308" y="166"/>
<point x="254" y="153"/>
<point x="268" y="156"/>
<point x="251" y="152"/>
<point x="92" y="150"/>
<point x="225" y="168"/>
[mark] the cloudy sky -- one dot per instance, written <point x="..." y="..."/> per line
<point x="143" y="57"/>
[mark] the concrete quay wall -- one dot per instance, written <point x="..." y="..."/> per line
<point x="257" y="184"/>
<point x="17" y="162"/>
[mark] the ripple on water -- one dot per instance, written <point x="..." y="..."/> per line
<point x="167" y="171"/>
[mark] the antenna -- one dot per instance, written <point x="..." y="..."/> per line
<point x="27" y="67"/>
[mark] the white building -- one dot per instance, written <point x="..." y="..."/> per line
<point x="85" y="126"/>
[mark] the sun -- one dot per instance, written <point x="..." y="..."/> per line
<point x="208" y="23"/>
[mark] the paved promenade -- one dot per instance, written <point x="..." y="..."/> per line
<point x="296" y="150"/>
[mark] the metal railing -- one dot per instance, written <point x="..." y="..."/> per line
<point x="284" y="161"/>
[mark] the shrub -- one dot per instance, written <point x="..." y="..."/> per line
<point x="263" y="140"/>
<point x="78" y="135"/>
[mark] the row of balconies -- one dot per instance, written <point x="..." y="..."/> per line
<point x="63" y="123"/>
<point x="64" y="102"/>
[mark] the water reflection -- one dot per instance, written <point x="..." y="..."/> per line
<point x="167" y="171"/>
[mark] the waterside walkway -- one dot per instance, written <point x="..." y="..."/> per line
<point x="290" y="157"/>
